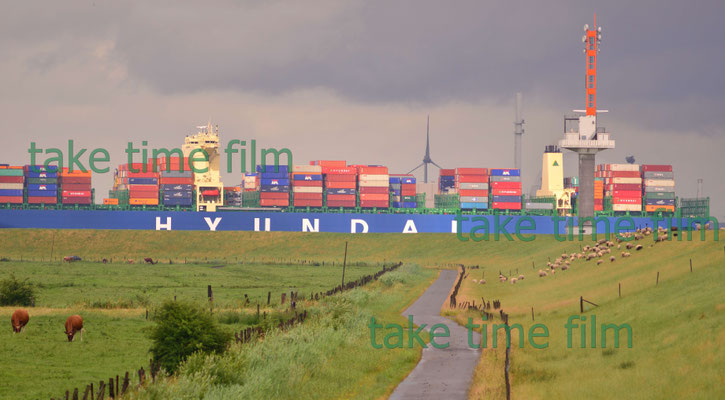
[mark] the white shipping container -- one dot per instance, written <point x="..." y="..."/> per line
<point x="307" y="189"/>
<point x="13" y="186"/>
<point x="370" y="183"/>
<point x="637" y="181"/>
<point x="310" y="169"/>
<point x="626" y="207"/>
<point x="473" y="185"/>
<point x="369" y="177"/>
<point x="623" y="167"/>
<point x="660" y="182"/>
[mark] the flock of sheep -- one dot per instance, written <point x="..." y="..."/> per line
<point x="598" y="251"/>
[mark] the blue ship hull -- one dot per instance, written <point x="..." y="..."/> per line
<point x="300" y="222"/>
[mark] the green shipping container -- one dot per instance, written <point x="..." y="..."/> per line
<point x="660" y="195"/>
<point x="41" y="181"/>
<point x="409" y="198"/>
<point x="11" y="172"/>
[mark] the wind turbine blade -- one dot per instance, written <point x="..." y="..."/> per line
<point x="411" y="171"/>
<point x="439" y="167"/>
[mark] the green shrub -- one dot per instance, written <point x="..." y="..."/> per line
<point x="183" y="329"/>
<point x="16" y="293"/>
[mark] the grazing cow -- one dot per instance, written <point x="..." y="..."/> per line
<point x="18" y="320"/>
<point x="149" y="260"/>
<point x="73" y="324"/>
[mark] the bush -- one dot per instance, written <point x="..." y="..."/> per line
<point x="183" y="329"/>
<point x="16" y="293"/>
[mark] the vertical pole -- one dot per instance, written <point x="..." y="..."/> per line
<point x="344" y="263"/>
<point x="532" y="313"/>
<point x="620" y="289"/>
<point x="658" y="278"/>
<point x="581" y="304"/>
<point x="691" y="265"/>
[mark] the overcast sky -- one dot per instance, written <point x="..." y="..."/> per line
<point x="355" y="80"/>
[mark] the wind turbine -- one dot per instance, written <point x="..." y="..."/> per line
<point x="426" y="158"/>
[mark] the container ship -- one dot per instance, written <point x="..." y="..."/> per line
<point x="166" y="193"/>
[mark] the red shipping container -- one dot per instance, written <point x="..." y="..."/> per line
<point x="74" y="193"/>
<point x="76" y="186"/>
<point x="343" y="170"/>
<point x="626" y="200"/>
<point x="623" y="174"/>
<point x="624" y="186"/>
<point x="274" y="202"/>
<point x="142" y="175"/>
<point x="330" y="163"/>
<point x="12" y="199"/>
<point x="656" y="168"/>
<point x="143" y="188"/>
<point x="340" y="203"/>
<point x="447" y="172"/>
<point x="374" y="190"/>
<point x="407" y="186"/>
<point x="341" y="185"/>
<point x="341" y="178"/>
<point x="505" y="192"/>
<point x="306" y="203"/>
<point x="308" y="196"/>
<point x="363" y="170"/>
<point x="472" y="178"/>
<point x="627" y="193"/>
<point x="307" y="183"/>
<point x="374" y="203"/>
<point x="76" y="179"/>
<point x="505" y="206"/>
<point x="341" y="197"/>
<point x="76" y="200"/>
<point x="11" y="179"/>
<point x="374" y="197"/>
<point x="273" y="195"/>
<point x="176" y="181"/>
<point x="142" y="194"/>
<point x="407" y="192"/>
<point x="472" y="171"/>
<point x="473" y="192"/>
<point x="505" y="185"/>
<point x="42" y="200"/>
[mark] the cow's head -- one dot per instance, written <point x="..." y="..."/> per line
<point x="16" y="328"/>
<point x="70" y="334"/>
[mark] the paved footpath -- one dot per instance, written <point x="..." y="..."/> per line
<point x="441" y="373"/>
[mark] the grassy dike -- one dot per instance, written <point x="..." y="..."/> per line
<point x="677" y="342"/>
<point x="329" y="356"/>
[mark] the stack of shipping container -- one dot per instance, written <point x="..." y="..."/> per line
<point x="76" y="187"/>
<point x="340" y="182"/>
<point x="250" y="182"/>
<point x="177" y="188"/>
<point x="233" y="196"/>
<point x="274" y="185"/>
<point x="472" y="187"/>
<point x="42" y="184"/>
<point x="374" y="186"/>
<point x="12" y="182"/>
<point x="447" y="181"/>
<point x="659" y="188"/>
<point x="403" y="191"/>
<point x="506" y="189"/>
<point x="307" y="186"/>
<point x="623" y="183"/>
<point x="598" y="194"/>
<point x="143" y="187"/>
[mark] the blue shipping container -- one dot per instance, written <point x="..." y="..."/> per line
<point x="177" y="193"/>
<point x="31" y="174"/>
<point x="394" y="179"/>
<point x="505" y="172"/>
<point x="477" y="206"/>
<point x="660" y="202"/>
<point x="340" y="191"/>
<point x="42" y="193"/>
<point x="11" y="192"/>
<point x="143" y="181"/>
<point x="274" y="182"/>
<point x="168" y="187"/>
<point x="36" y="186"/>
<point x="407" y="180"/>
<point x="507" y="199"/>
<point x="177" y="202"/>
<point x="272" y="175"/>
<point x="273" y="168"/>
<point x="311" y="177"/>
<point x="41" y="168"/>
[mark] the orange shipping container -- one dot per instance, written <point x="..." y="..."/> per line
<point x="144" y="202"/>
<point x="654" y="208"/>
<point x="113" y="202"/>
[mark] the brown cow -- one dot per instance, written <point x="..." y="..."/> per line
<point x="19" y="319"/>
<point x="73" y="324"/>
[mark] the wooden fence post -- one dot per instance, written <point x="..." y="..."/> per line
<point x="269" y="296"/>
<point x="532" y="313"/>
<point x="691" y="265"/>
<point x="620" y="289"/>
<point x="658" y="278"/>
<point x="344" y="263"/>
<point x="581" y="304"/>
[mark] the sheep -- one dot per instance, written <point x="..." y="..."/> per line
<point x="475" y="281"/>
<point x="521" y="277"/>
<point x="542" y="273"/>
<point x="482" y="282"/>
<point x="553" y="271"/>
<point x="625" y="254"/>
<point x="600" y="261"/>
<point x="619" y="246"/>
<point x="513" y="280"/>
<point x="639" y="247"/>
<point x="612" y="258"/>
<point x="629" y="246"/>
<point x="564" y="267"/>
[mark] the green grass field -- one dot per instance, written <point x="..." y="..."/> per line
<point x="677" y="325"/>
